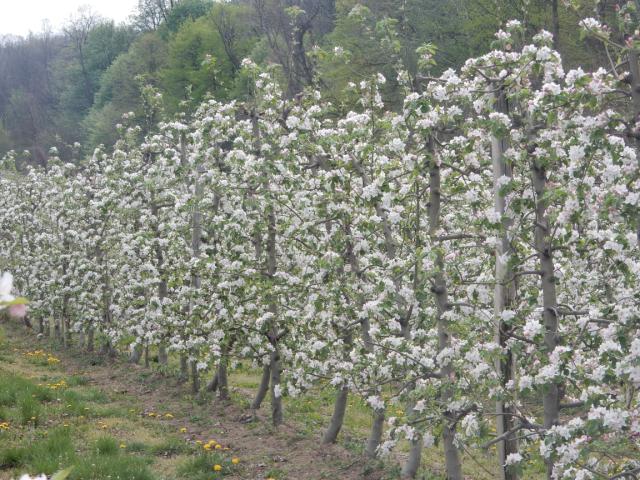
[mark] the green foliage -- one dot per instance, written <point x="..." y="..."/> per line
<point x="111" y="467"/>
<point x="186" y="10"/>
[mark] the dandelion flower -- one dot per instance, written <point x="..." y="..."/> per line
<point x="235" y="460"/>
<point x="217" y="467"/>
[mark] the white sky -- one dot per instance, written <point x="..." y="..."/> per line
<point x="18" y="17"/>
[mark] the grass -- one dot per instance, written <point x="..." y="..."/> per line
<point x="58" y="421"/>
<point x="112" y="467"/>
<point x="171" y="446"/>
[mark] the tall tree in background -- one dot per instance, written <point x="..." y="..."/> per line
<point x="289" y="27"/>
<point x="77" y="30"/>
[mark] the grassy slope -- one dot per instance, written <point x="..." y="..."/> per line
<point x="54" y="420"/>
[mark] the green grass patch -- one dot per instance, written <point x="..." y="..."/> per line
<point x="12" y="457"/>
<point x="106" y="446"/>
<point x="118" y="467"/>
<point x="77" y="381"/>
<point x="171" y="446"/>
<point x="203" y="467"/>
<point x="30" y="410"/>
<point x="13" y="388"/>
<point x="52" y="453"/>
<point x="137" y="447"/>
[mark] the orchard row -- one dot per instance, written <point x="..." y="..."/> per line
<point x="471" y="260"/>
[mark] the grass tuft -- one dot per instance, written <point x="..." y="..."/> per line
<point x="106" y="446"/>
<point x="170" y="446"/>
<point x="201" y="467"/>
<point x="111" y="468"/>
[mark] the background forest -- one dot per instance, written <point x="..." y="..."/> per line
<point x="69" y="89"/>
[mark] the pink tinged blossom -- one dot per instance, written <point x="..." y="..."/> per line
<point x="18" y="311"/>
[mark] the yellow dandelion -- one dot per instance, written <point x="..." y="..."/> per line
<point x="218" y="446"/>
<point x="235" y="460"/>
<point x="122" y="445"/>
<point x="217" y="467"/>
<point x="168" y="415"/>
<point x="183" y="430"/>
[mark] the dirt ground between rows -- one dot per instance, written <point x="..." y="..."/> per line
<point x="261" y="448"/>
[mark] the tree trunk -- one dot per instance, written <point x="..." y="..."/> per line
<point x="551" y="396"/>
<point x="504" y="295"/>
<point x="90" y="340"/>
<point x="67" y="332"/>
<point x="63" y="325"/>
<point x="263" y="388"/>
<point x="195" y="377"/>
<point x="452" y="456"/>
<point x="163" y="356"/>
<point x="196" y="234"/>
<point x="223" y="380"/>
<point x="634" y="70"/>
<point x="276" y="397"/>
<point x="136" y="354"/>
<point x="212" y="386"/>
<point x="555" y="20"/>
<point x="340" y="404"/>
<point x="375" y="436"/>
<point x="146" y="356"/>
<point x="184" y="369"/>
<point x="411" y="466"/>
<point x="339" y="409"/>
